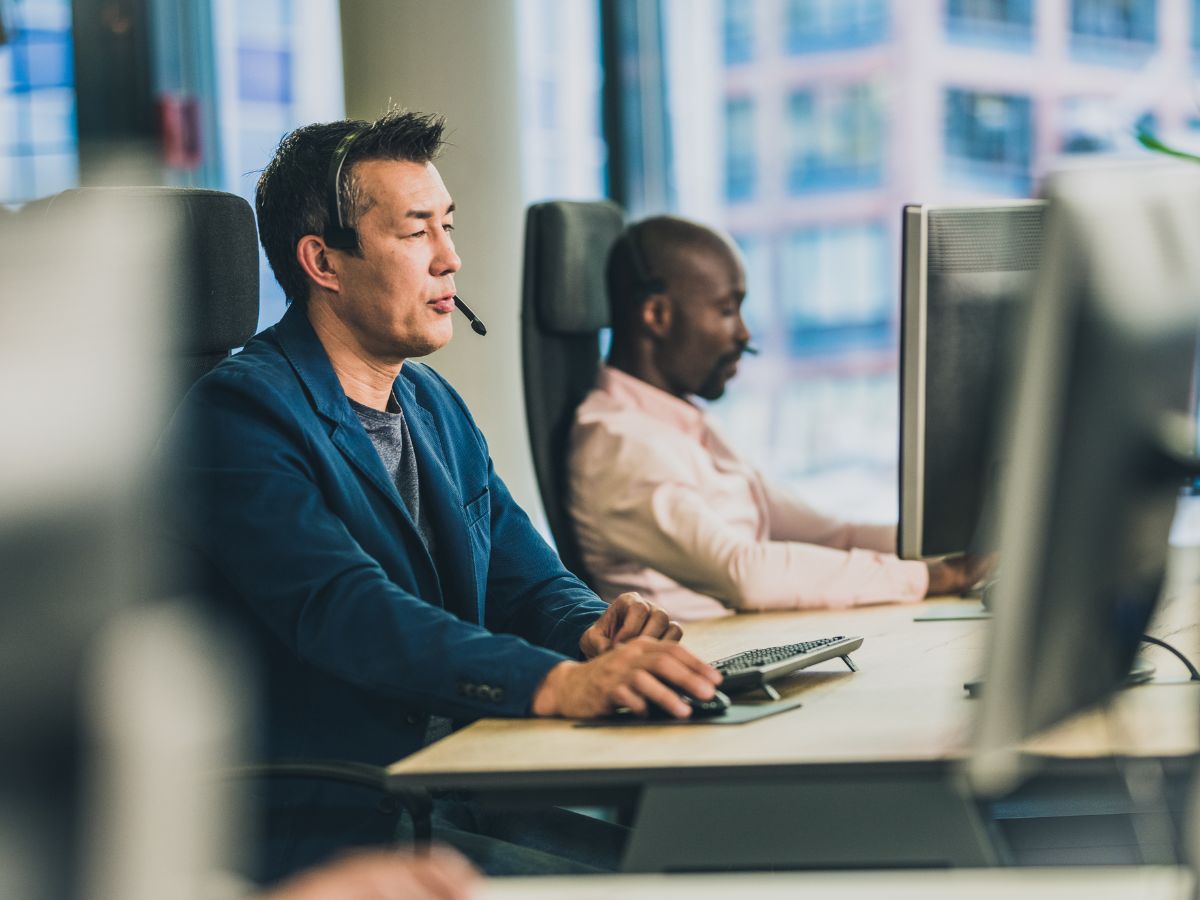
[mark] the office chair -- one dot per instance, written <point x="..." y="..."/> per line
<point x="563" y="309"/>
<point x="213" y="290"/>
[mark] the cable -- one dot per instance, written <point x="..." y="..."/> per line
<point x="1158" y="642"/>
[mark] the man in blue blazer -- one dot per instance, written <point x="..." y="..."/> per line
<point x="342" y="504"/>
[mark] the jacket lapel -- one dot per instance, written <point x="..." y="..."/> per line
<point x="307" y="356"/>
<point x="445" y="505"/>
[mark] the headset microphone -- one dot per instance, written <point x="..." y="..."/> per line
<point x="477" y="326"/>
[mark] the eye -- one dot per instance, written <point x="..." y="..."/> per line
<point x="417" y="234"/>
<point x="448" y="227"/>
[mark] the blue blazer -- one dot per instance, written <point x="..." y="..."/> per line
<point x="299" y="532"/>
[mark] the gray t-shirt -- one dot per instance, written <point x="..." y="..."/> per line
<point x="389" y="433"/>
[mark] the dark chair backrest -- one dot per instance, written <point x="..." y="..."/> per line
<point x="214" y="290"/>
<point x="563" y="310"/>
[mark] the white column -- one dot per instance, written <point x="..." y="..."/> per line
<point x="459" y="58"/>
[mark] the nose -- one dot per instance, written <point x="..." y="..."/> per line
<point x="743" y="333"/>
<point x="445" y="258"/>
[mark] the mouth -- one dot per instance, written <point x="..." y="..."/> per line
<point x="443" y="304"/>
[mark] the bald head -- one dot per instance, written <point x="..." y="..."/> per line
<point x="675" y="290"/>
<point x="650" y="255"/>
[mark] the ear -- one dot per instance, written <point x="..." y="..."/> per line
<point x="656" y="315"/>
<point x="314" y="258"/>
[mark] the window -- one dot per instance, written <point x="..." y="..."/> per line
<point x="266" y="95"/>
<point x="1114" y="30"/>
<point x="816" y="25"/>
<point x="989" y="140"/>
<point x="998" y="22"/>
<point x="740" y="164"/>
<point x="38" y="145"/>
<point x="737" y="23"/>
<point x="835" y="138"/>
<point x="562" y="149"/>
<point x="835" y="288"/>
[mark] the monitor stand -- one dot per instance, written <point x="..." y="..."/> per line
<point x="1142" y="672"/>
<point x="958" y="612"/>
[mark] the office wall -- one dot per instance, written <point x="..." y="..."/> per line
<point x="459" y="58"/>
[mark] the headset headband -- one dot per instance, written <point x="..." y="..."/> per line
<point x="337" y="234"/>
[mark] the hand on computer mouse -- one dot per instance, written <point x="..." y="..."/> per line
<point x="634" y="674"/>
<point x="958" y="574"/>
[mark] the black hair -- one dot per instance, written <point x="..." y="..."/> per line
<point x="291" y="199"/>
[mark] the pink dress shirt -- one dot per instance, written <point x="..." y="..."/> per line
<point x="663" y="506"/>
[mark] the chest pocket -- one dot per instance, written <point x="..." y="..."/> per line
<point x="475" y="511"/>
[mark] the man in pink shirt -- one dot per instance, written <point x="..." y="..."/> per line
<point x="661" y="504"/>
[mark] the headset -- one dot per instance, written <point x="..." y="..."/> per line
<point x="341" y="236"/>
<point x="647" y="283"/>
<point x="338" y="234"/>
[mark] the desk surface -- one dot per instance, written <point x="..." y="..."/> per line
<point x="1110" y="883"/>
<point x="906" y="705"/>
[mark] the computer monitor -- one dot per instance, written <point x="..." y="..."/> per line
<point x="1093" y="470"/>
<point x="966" y="271"/>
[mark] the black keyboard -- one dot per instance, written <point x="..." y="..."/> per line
<point x="756" y="669"/>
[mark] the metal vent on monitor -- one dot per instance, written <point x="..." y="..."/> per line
<point x="971" y="240"/>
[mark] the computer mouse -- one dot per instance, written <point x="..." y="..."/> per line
<point x="701" y="709"/>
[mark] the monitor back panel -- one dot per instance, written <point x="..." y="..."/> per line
<point x="966" y="271"/>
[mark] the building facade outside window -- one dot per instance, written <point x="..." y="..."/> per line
<point x="989" y="140"/>
<point x="741" y="169"/>
<point x="835" y="288"/>
<point x="39" y="152"/>
<point x="737" y="30"/>
<point x="1114" y="31"/>
<point x="821" y="25"/>
<point x="1002" y="23"/>
<point x="835" y="138"/>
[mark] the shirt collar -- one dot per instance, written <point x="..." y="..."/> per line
<point x="654" y="402"/>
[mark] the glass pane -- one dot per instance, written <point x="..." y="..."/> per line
<point x="738" y="30"/>
<point x="54" y="172"/>
<point x="10" y="183"/>
<point x="44" y="61"/>
<point x="13" y="122"/>
<point x="264" y="75"/>
<point x="52" y="119"/>
<point x="740" y="165"/>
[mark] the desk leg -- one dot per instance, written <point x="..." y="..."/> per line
<point x="817" y="823"/>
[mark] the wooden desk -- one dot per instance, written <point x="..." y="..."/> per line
<point x="1109" y="883"/>
<point x="863" y="774"/>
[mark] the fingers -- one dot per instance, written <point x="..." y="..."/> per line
<point x="639" y="617"/>
<point x="445" y="874"/>
<point x="679" y="676"/>
<point x="661" y="695"/>
<point x="633" y="617"/>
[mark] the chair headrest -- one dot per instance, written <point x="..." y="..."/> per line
<point x="216" y="287"/>
<point x="572" y="240"/>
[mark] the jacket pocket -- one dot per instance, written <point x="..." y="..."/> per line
<point x="476" y="509"/>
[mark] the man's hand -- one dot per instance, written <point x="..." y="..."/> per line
<point x="956" y="575"/>
<point x="440" y="874"/>
<point x="627" y="617"/>
<point x="632" y="674"/>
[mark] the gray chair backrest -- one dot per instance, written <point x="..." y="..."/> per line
<point x="214" y="290"/>
<point x="564" y="308"/>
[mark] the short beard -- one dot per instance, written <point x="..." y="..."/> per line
<point x="713" y="387"/>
